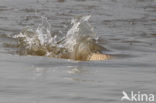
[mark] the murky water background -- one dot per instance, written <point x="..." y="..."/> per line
<point x="126" y="27"/>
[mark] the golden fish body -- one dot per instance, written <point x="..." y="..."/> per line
<point x="98" y="56"/>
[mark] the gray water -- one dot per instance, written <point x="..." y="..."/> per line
<point x="126" y="27"/>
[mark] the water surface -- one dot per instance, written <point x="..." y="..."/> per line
<point x="127" y="28"/>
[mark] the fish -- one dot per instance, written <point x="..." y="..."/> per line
<point x="98" y="56"/>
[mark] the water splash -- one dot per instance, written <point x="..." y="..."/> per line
<point x="43" y="31"/>
<point x="38" y="42"/>
<point x="80" y="30"/>
<point x="78" y="44"/>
